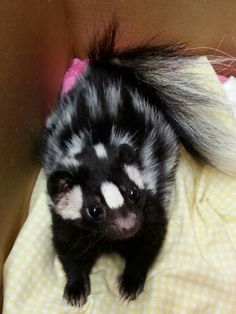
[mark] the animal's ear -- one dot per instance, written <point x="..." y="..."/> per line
<point x="126" y="154"/>
<point x="58" y="183"/>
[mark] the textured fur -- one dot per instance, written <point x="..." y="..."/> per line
<point x="123" y="123"/>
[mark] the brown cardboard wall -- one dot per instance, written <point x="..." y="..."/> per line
<point x="35" y="50"/>
<point x="34" y="54"/>
<point x="201" y="23"/>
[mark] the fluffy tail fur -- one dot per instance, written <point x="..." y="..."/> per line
<point x="166" y="76"/>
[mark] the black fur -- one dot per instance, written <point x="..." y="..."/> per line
<point x="118" y="103"/>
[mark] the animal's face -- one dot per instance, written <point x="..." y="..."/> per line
<point x="105" y="193"/>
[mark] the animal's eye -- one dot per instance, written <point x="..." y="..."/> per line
<point x="94" y="211"/>
<point x="133" y="194"/>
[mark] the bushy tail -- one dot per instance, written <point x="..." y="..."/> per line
<point x="176" y="83"/>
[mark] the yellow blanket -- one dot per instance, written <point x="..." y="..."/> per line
<point x="195" y="273"/>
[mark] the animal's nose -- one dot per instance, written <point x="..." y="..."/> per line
<point x="127" y="224"/>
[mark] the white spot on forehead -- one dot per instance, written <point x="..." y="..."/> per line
<point x="112" y="195"/>
<point x="135" y="175"/>
<point x="70" y="205"/>
<point x="100" y="151"/>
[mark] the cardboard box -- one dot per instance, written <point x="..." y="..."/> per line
<point x="38" y="41"/>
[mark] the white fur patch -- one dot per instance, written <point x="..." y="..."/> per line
<point x="119" y="137"/>
<point x="150" y="165"/>
<point x="112" y="195"/>
<point x="75" y="145"/>
<point x="70" y="205"/>
<point x="100" y="151"/>
<point x="93" y="102"/>
<point x="70" y="162"/>
<point x="135" y="175"/>
<point x="113" y="97"/>
<point x="51" y="120"/>
<point x="143" y="107"/>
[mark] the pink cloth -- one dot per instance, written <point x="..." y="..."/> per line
<point x="222" y="78"/>
<point x="79" y="66"/>
<point x="72" y="74"/>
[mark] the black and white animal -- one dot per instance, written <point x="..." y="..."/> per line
<point x="110" y="152"/>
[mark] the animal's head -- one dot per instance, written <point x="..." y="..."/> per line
<point x="104" y="193"/>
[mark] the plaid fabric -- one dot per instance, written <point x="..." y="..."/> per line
<point x="195" y="273"/>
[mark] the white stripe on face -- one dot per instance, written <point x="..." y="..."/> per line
<point x="112" y="195"/>
<point x="70" y="205"/>
<point x="100" y="151"/>
<point x="135" y="175"/>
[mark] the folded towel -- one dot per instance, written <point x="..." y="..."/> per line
<point x="195" y="273"/>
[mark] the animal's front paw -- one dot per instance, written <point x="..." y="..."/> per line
<point x="130" y="286"/>
<point x="76" y="292"/>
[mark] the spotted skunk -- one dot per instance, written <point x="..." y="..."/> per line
<point x="110" y="151"/>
